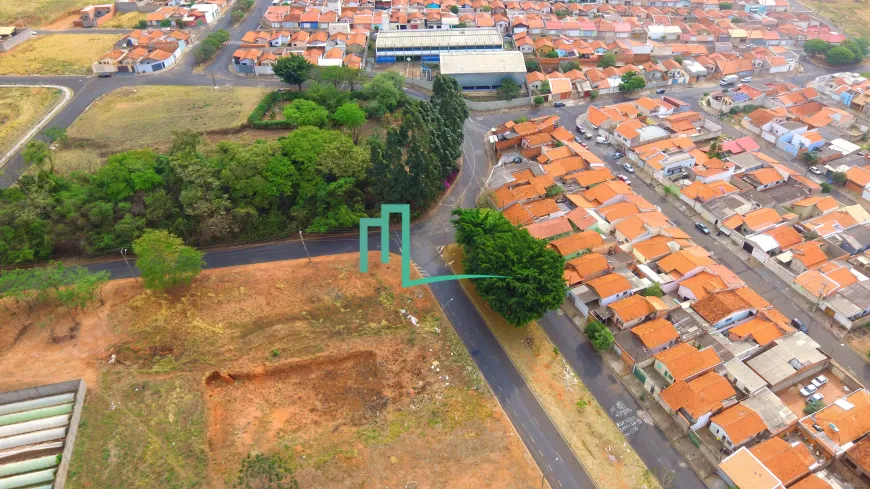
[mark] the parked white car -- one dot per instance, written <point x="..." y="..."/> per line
<point x="809" y="389"/>
<point x="820" y="381"/>
<point x="815" y="397"/>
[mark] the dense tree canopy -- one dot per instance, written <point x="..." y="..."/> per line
<point x="508" y="89"/>
<point x="303" y="112"/>
<point x="533" y="282"/>
<point x="165" y="261"/>
<point x="839" y="56"/>
<point x="631" y="82"/>
<point x="816" y="46"/>
<point x="607" y="60"/>
<point x="315" y="179"/>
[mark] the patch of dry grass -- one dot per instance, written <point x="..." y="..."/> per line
<point x="852" y="16"/>
<point x="56" y="54"/>
<point x="20" y="109"/>
<point x="36" y="12"/>
<point x="145" y="117"/>
<point x="590" y="432"/>
<point x="125" y="20"/>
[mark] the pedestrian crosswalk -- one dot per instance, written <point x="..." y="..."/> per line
<point x="234" y="43"/>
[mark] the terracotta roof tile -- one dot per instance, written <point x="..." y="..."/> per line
<point x="656" y="332"/>
<point x="740" y="423"/>
<point x="699" y="396"/>
<point x="716" y="307"/>
<point x="609" y="285"/>
<point x="684" y="360"/>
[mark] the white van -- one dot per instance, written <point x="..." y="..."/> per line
<point x="601" y="140"/>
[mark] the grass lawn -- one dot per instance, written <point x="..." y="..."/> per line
<point x="20" y="109"/>
<point x="588" y="430"/>
<point x="312" y="361"/>
<point x="56" y="54"/>
<point x="129" y="19"/>
<point x="36" y="12"/>
<point x="144" y="117"/>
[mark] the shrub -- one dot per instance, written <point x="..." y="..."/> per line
<point x="538" y="100"/>
<point x="599" y="336"/>
<point x="826" y="188"/>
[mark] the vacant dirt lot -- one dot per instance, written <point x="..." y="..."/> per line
<point x="144" y="117"/>
<point x="35" y="12"/>
<point x="315" y="362"/>
<point x="596" y="440"/>
<point x="56" y="54"/>
<point x="20" y="109"/>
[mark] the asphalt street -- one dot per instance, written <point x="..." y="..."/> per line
<point x="546" y="445"/>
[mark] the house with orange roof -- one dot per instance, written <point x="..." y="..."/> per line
<point x="550" y="229"/>
<point x="743" y="469"/>
<point x="635" y="309"/>
<point x="808" y="255"/>
<point x="589" y="179"/>
<point x="585" y="268"/>
<point x="683" y="362"/>
<point x="614" y="213"/>
<point x="654" y="248"/>
<point x="840" y="424"/>
<point x="737" y="426"/>
<point x="607" y="193"/>
<point x="857" y="179"/>
<point x="683" y="264"/>
<point x="584" y="242"/>
<point x="815" y="206"/>
<point x="831" y="223"/>
<point x="609" y="288"/>
<point x="643" y="226"/>
<point x="724" y="309"/>
<point x="692" y="403"/>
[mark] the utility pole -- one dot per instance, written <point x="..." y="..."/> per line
<point x="124" y="255"/>
<point x="212" y="80"/>
<point x="821" y="295"/>
<point x="303" y="245"/>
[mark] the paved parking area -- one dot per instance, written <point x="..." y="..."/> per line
<point x="831" y="391"/>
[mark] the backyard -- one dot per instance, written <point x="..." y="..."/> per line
<point x="145" y="117"/>
<point x="35" y="12"/>
<point x="56" y="54"/>
<point x="600" y="446"/>
<point x="315" y="363"/>
<point x="20" y="109"/>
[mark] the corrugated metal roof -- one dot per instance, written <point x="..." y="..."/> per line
<point x="438" y="38"/>
<point x="499" y="62"/>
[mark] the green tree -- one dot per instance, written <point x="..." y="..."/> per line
<point x="533" y="284"/>
<point x="142" y="24"/>
<point x="340" y="158"/>
<point x="508" y="90"/>
<point x="631" y="82"/>
<point x="838" y="177"/>
<point x="857" y="52"/>
<point x="811" y="158"/>
<point x="56" y="135"/>
<point x="293" y="70"/>
<point x="593" y="95"/>
<point x="715" y="149"/>
<point x="571" y="65"/>
<point x="38" y="153"/>
<point x="726" y="6"/>
<point x="678" y="59"/>
<point x="79" y="288"/>
<point x="816" y="46"/>
<point x="554" y="190"/>
<point x="264" y="471"/>
<point x="552" y="55"/>
<point x="607" y="60"/>
<point x="448" y="101"/>
<point x="454" y="9"/>
<point x="164" y="261"/>
<point x="826" y="187"/>
<point x="599" y="336"/>
<point x="303" y="112"/>
<point x="538" y="100"/>
<point x="810" y="235"/>
<point x="864" y="45"/>
<point x="545" y="87"/>
<point x="384" y="93"/>
<point x="532" y="65"/>
<point x="813" y="406"/>
<point x="165" y="23"/>
<point x="654" y="290"/>
<point x="352" y="117"/>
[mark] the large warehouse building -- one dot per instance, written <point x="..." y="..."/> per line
<point x="484" y="71"/>
<point x="428" y="45"/>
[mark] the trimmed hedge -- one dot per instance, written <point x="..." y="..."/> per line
<point x="260" y="111"/>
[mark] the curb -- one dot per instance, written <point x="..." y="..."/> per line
<point x="534" y="393"/>
<point x="67" y="95"/>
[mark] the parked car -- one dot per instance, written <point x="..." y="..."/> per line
<point x="816" y="397"/>
<point x="601" y="140"/>
<point x="660" y="91"/>
<point x="104" y="75"/>
<point x="617" y="155"/>
<point x="624" y="179"/>
<point x="820" y="381"/>
<point x="746" y="79"/>
<point x="588" y="135"/>
<point x="582" y="131"/>
<point x="584" y="145"/>
<point x="577" y="139"/>
<point x="702" y="227"/>
<point x="815" y="170"/>
<point x="750" y="45"/>
<point x="559" y="104"/>
<point x="628" y="168"/>
<point x="809" y="389"/>
<point x="799" y="325"/>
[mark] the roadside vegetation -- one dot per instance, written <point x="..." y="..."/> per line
<point x="56" y="54"/>
<point x="209" y="46"/>
<point x="20" y="109"/>
<point x="848" y="52"/>
<point x="600" y="446"/>
<point x="315" y="178"/>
